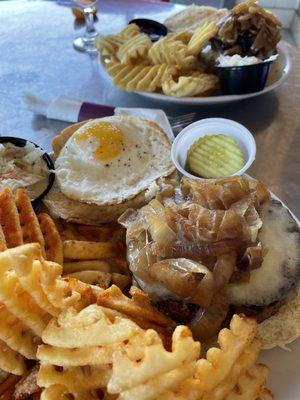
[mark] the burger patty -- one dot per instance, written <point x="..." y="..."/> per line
<point x="179" y="311"/>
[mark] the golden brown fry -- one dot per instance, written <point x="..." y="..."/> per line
<point x="78" y="266"/>
<point x="102" y="279"/>
<point x="9" y="219"/>
<point x="122" y="281"/>
<point x="138" y="306"/>
<point x="2" y="240"/>
<point x="11" y="361"/>
<point x="97" y="233"/>
<point x="93" y="355"/>
<point x="251" y="384"/>
<point x="17" y="335"/>
<point x="81" y="250"/>
<point x="31" y="230"/>
<point x="53" y="243"/>
<point x="74" y="378"/>
<point x="202" y="36"/>
<point x="9" y="382"/>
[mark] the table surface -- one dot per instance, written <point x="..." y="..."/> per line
<point x="37" y="56"/>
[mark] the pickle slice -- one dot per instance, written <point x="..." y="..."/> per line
<point x="215" y="156"/>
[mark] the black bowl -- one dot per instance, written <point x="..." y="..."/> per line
<point x="155" y="30"/>
<point x="244" y="79"/>
<point x="21" y="143"/>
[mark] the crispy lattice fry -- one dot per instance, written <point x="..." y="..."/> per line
<point x="138" y="306"/>
<point x="108" y="45"/>
<point x="2" y="240"/>
<point x="251" y="384"/>
<point x="59" y="392"/>
<point x="29" y="268"/>
<point x="82" y="250"/>
<point x="216" y="368"/>
<point x="75" y="357"/>
<point x="13" y="295"/>
<point x="53" y="243"/>
<point x="11" y="361"/>
<point x="88" y="327"/>
<point x="57" y="290"/>
<point x="197" y="84"/>
<point x="244" y="362"/>
<point x="75" y="378"/>
<point x="136" y="47"/>
<point x="182" y="36"/>
<point x="79" y="266"/>
<point x="138" y="78"/>
<point x="266" y="395"/>
<point x="172" y="52"/>
<point x="158" y="370"/>
<point x="9" y="219"/>
<point x="130" y="31"/>
<point x="202" y="36"/>
<point x="31" y="230"/>
<point x="17" y="335"/>
<point x="102" y="279"/>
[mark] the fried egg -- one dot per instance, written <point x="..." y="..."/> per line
<point x="112" y="159"/>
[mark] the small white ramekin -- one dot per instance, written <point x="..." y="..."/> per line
<point x="212" y="126"/>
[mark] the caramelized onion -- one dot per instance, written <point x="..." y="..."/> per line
<point x="252" y="258"/>
<point x="189" y="280"/>
<point x="223" y="269"/>
<point x="160" y="231"/>
<point x="207" y="322"/>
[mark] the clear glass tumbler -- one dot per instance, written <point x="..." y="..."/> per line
<point x="85" y="43"/>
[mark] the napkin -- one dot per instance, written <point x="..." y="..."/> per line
<point x="74" y="110"/>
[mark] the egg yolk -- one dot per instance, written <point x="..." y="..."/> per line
<point x="109" y="139"/>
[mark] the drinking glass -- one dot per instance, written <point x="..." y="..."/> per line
<point x="85" y="43"/>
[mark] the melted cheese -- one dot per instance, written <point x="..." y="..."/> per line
<point x="281" y="266"/>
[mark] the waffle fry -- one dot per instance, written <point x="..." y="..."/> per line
<point x="138" y="78"/>
<point x="244" y="362"/>
<point x="21" y="225"/>
<point x="2" y="240"/>
<point x="182" y="36"/>
<point x="202" y="36"/>
<point x="138" y="306"/>
<point x="155" y="365"/>
<point x="75" y="379"/>
<point x="251" y="384"/>
<point x="75" y="357"/>
<point x="82" y="250"/>
<point x="130" y="31"/>
<point x="188" y="86"/>
<point x="59" y="392"/>
<point x="172" y="52"/>
<point x="11" y="361"/>
<point x="108" y="45"/>
<point x="79" y="266"/>
<point x="102" y="279"/>
<point x="8" y="383"/>
<point x="53" y="243"/>
<point x="266" y="395"/>
<point x="31" y="230"/>
<point x="17" y="335"/>
<point x="133" y="48"/>
<point x="89" y="326"/>
<point x="9" y="219"/>
<point x="13" y="295"/>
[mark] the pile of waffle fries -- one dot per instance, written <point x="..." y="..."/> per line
<point x="68" y="331"/>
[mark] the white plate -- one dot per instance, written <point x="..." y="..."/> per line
<point x="284" y="365"/>
<point x="275" y="79"/>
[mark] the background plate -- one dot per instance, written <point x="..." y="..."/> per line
<point x="278" y="72"/>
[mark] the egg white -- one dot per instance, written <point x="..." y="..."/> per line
<point x="145" y="157"/>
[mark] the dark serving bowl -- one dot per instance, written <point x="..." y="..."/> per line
<point x="244" y="79"/>
<point x="19" y="142"/>
<point x="155" y="30"/>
